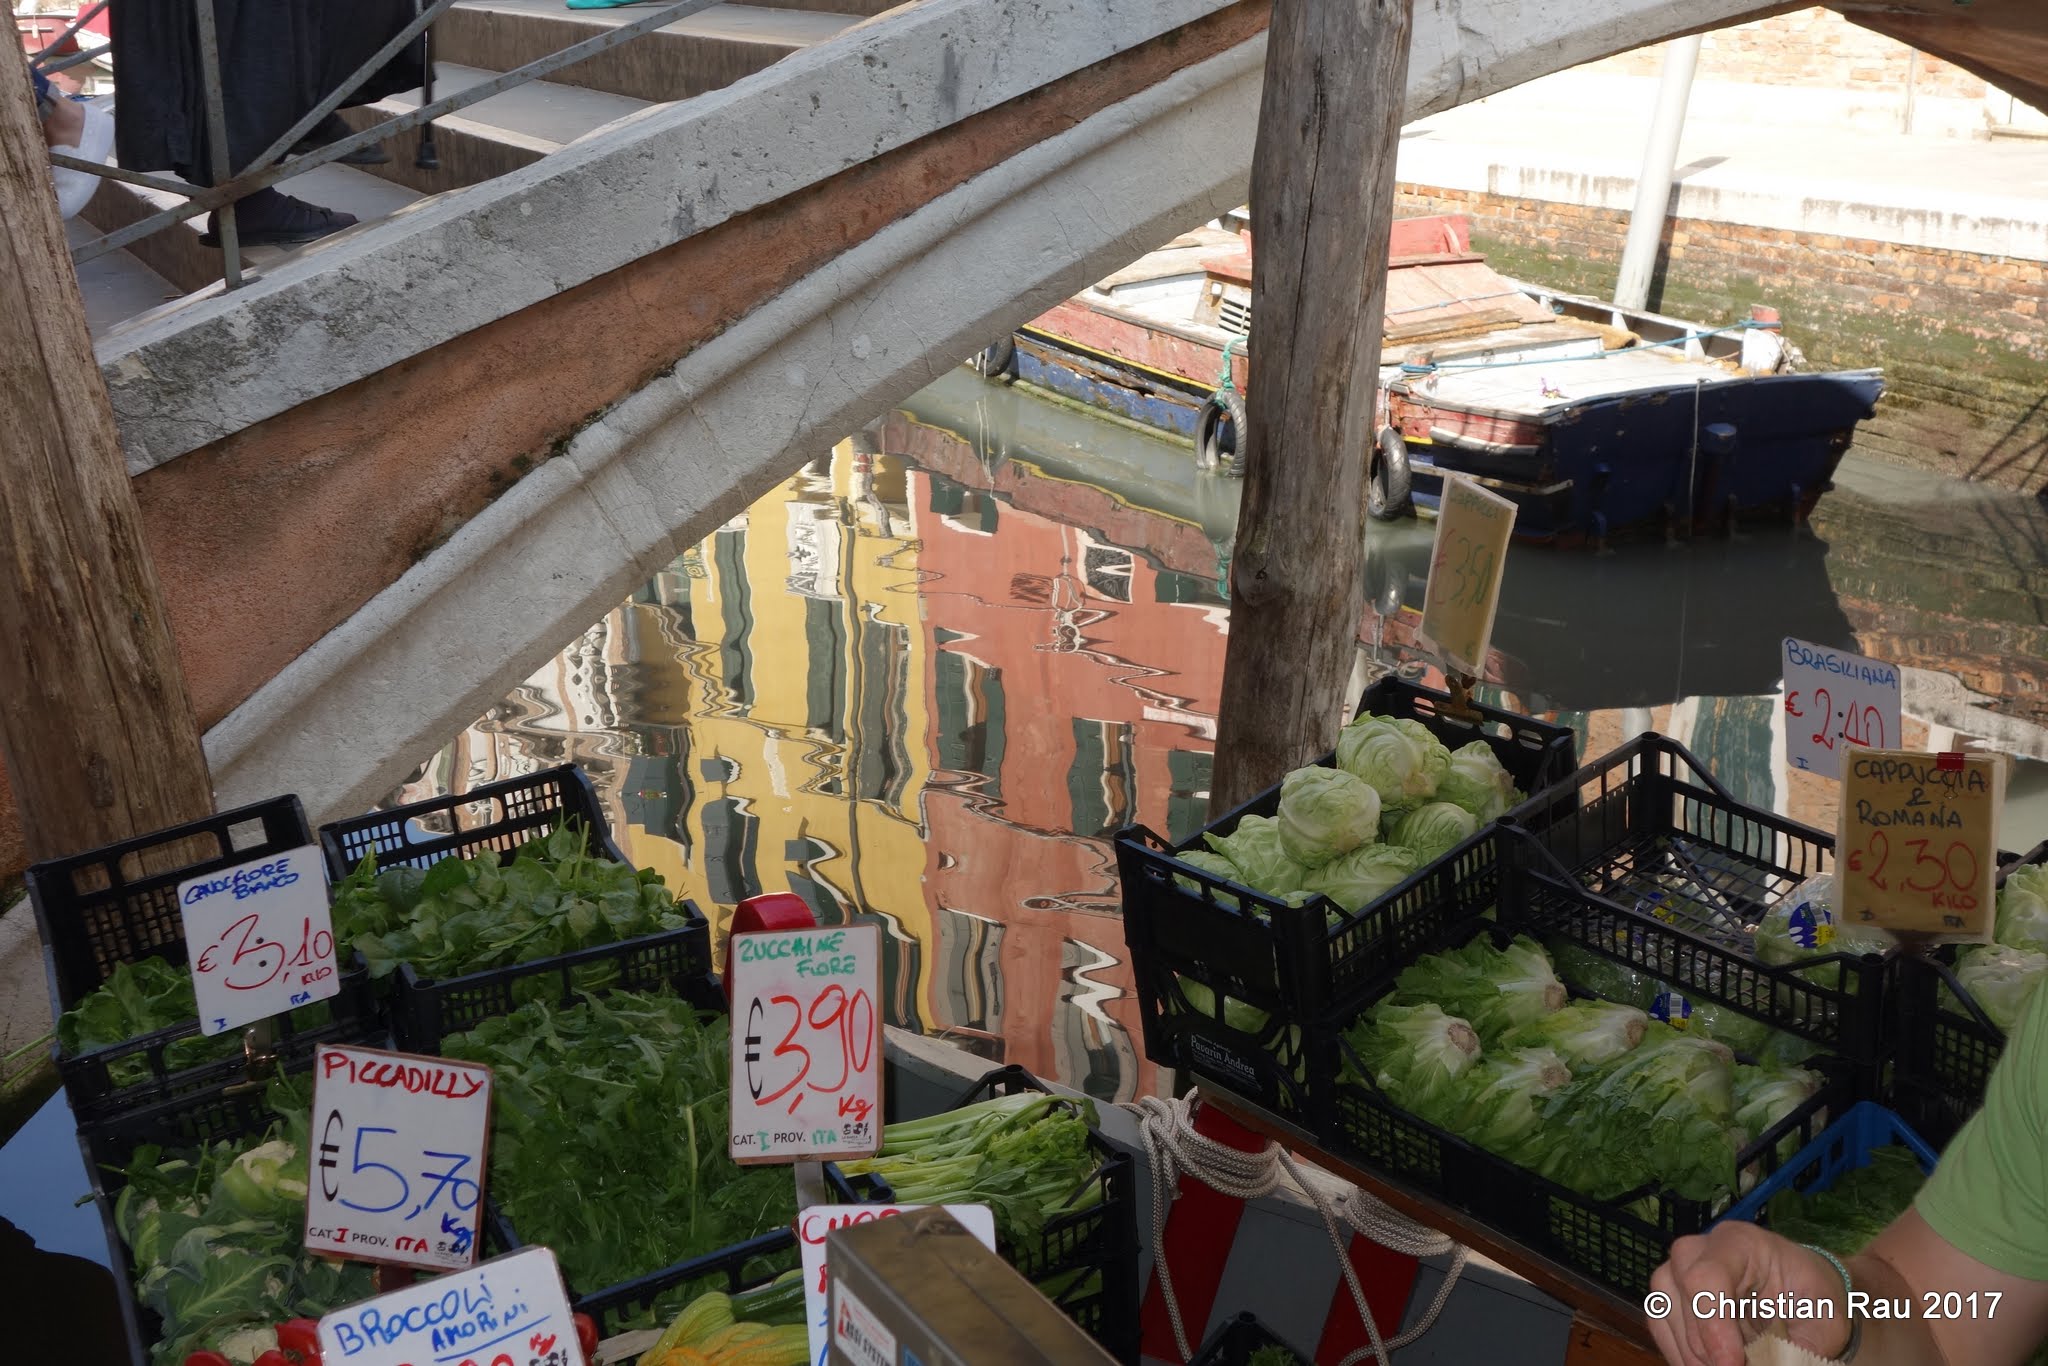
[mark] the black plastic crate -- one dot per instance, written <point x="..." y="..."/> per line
<point x="1616" y="1243"/>
<point x="743" y="1266"/>
<point x="1644" y="857"/>
<point x="1234" y="1343"/>
<point x="228" y="1109"/>
<point x="1941" y="1055"/>
<point x="1298" y="964"/>
<point x="119" y="904"/>
<point x="502" y="817"/>
<point x="1097" y="1246"/>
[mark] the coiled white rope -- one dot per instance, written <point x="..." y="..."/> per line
<point x="1173" y="1149"/>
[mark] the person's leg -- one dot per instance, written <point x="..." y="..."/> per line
<point x="75" y="128"/>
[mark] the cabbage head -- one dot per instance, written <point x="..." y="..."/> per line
<point x="2000" y="980"/>
<point x="1400" y="758"/>
<point x="1477" y="782"/>
<point x="1325" y="812"/>
<point x="1255" y="850"/>
<point x="1435" y="829"/>
<point x="267" y="1182"/>
<point x="1584" y="1034"/>
<point x="1214" y="864"/>
<point x="1361" y="877"/>
<point x="2023" y="910"/>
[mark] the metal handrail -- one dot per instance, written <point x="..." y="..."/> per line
<point x="266" y="170"/>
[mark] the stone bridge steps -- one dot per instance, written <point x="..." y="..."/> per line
<point x="474" y="42"/>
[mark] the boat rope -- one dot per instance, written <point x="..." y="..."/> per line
<point x="1430" y="367"/>
<point x="1228" y="380"/>
<point x="1173" y="1149"/>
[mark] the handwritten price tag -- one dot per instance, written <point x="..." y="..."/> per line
<point x="1473" y="527"/>
<point x="1919" y="839"/>
<point x="806" y="1044"/>
<point x="1834" y="700"/>
<point x="511" y="1311"/>
<point x="259" y="938"/>
<point x="814" y="1223"/>
<point x="398" y="1161"/>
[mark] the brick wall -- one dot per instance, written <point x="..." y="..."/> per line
<point x="1814" y="48"/>
<point x="1961" y="337"/>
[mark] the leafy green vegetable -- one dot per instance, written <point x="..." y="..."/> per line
<point x="1860" y="1204"/>
<point x="465" y="915"/>
<point x="1601" y="976"/>
<point x="1765" y="1095"/>
<point x="1027" y="1156"/>
<point x="609" y="1136"/>
<point x="1415" y="1054"/>
<point x="1262" y="862"/>
<point x="1216" y="865"/>
<point x="1584" y="1034"/>
<point x="1272" y="1354"/>
<point x="1400" y="758"/>
<point x="2023" y="909"/>
<point x="1663" y="1115"/>
<point x="1361" y="877"/>
<point x="1325" y="812"/>
<point x="215" y="1235"/>
<point x="1494" y="989"/>
<point x="1503" y="1096"/>
<point x="141" y="998"/>
<point x="2001" y="980"/>
<point x="1803" y="925"/>
<point x="1434" y="829"/>
<point x="1477" y="782"/>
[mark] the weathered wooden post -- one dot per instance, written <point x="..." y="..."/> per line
<point x="1322" y="214"/>
<point x="95" y="722"/>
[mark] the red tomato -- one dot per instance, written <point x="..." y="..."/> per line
<point x="273" y="1357"/>
<point x="586" y="1335"/>
<point x="300" y="1338"/>
<point x="207" y="1359"/>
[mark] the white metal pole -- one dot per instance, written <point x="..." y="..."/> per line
<point x="1653" y="187"/>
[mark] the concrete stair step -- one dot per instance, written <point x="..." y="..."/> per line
<point x="116" y="286"/>
<point x="493" y="136"/>
<point x="708" y="50"/>
<point x="178" y="256"/>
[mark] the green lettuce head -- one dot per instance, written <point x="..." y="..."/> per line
<point x="2023" y="910"/>
<point x="1262" y="862"/>
<point x="1584" y="1034"/>
<point x="1416" y="1054"/>
<point x="1434" y="829"/>
<point x="1361" y="877"/>
<point x="1325" y="812"/>
<point x="2000" y="980"/>
<point x="1477" y="782"/>
<point x="1502" y="1096"/>
<point x="1401" y="759"/>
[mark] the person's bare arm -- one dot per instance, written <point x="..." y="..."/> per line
<point x="1902" y="1267"/>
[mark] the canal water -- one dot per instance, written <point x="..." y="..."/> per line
<point x="922" y="683"/>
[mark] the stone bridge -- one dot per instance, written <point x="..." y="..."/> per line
<point x="404" y="466"/>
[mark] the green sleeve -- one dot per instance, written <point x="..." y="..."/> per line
<point x="1989" y="1196"/>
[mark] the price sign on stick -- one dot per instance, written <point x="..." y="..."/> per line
<point x="398" y="1157"/>
<point x="1834" y="700"/>
<point x="1472" y="531"/>
<point x="1919" y="839"/>
<point x="510" y="1311"/>
<point x="814" y="1223"/>
<point x="259" y="938"/>
<point x="806" y="1044"/>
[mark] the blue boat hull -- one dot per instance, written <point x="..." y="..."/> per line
<point x="1607" y="467"/>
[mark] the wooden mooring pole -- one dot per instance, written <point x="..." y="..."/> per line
<point x="1322" y="214"/>
<point x="96" y="725"/>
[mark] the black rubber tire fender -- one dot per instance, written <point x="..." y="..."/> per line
<point x="1389" y="497"/>
<point x="1222" y="433"/>
<point x="997" y="360"/>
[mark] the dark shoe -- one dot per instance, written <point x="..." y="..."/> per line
<point x="332" y="129"/>
<point x="269" y="218"/>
